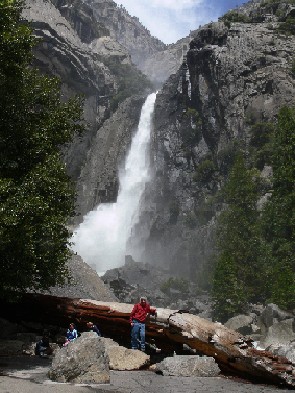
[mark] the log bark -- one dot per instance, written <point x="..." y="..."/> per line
<point x="171" y="329"/>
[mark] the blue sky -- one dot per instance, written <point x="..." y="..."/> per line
<point x="170" y="20"/>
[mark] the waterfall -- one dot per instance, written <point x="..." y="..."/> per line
<point x="102" y="237"/>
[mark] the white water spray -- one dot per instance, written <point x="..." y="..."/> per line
<point x="102" y="237"/>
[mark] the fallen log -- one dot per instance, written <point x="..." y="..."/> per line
<point x="170" y="330"/>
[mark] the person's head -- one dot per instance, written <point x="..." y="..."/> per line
<point x="89" y="325"/>
<point x="143" y="300"/>
<point x="72" y="326"/>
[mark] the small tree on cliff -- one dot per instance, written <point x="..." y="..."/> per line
<point x="236" y="274"/>
<point x="36" y="196"/>
<point x="279" y="213"/>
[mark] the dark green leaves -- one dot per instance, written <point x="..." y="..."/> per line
<point x="36" y="195"/>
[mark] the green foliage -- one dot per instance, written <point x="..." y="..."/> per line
<point x="228" y="292"/>
<point x="177" y="283"/>
<point x="288" y="26"/>
<point x="236" y="270"/>
<point x="204" y="171"/>
<point x="234" y="16"/>
<point x="36" y="196"/>
<point x="204" y="210"/>
<point x="130" y="80"/>
<point x="227" y="156"/>
<point x="194" y="115"/>
<point x="256" y="251"/>
<point x="278" y="214"/>
<point x="261" y="144"/>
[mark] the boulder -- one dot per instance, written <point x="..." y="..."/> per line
<point x="272" y="314"/>
<point x="122" y="358"/>
<point x="188" y="366"/>
<point x="241" y="323"/>
<point x="287" y="350"/>
<point x="279" y="333"/>
<point x="11" y="347"/>
<point x="84" y="360"/>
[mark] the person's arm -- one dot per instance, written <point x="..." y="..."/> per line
<point x="153" y="311"/>
<point x="133" y="313"/>
<point x="75" y="333"/>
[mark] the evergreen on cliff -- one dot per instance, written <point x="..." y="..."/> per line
<point x="256" y="249"/>
<point x="279" y="215"/>
<point x="36" y="196"/>
<point x="234" y="279"/>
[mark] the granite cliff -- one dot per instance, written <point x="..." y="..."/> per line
<point x="78" y="47"/>
<point x="236" y="75"/>
<point x="237" y="72"/>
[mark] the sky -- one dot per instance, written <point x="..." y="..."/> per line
<point x="170" y="20"/>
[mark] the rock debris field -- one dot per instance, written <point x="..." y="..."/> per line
<point x="29" y="375"/>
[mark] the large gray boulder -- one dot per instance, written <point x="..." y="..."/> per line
<point x="84" y="360"/>
<point x="287" y="350"/>
<point x="279" y="333"/>
<point x="188" y="366"/>
<point x="241" y="323"/>
<point x="273" y="314"/>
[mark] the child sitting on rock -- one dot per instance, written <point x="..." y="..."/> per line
<point x="71" y="335"/>
<point x="43" y="348"/>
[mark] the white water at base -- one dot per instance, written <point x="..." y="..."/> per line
<point x="102" y="237"/>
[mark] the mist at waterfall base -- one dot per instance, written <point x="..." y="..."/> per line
<point x="102" y="237"/>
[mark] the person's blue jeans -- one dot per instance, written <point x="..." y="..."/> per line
<point x="138" y="335"/>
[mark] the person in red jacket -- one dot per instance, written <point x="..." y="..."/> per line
<point x="137" y="320"/>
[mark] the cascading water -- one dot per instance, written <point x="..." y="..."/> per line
<point x="102" y="237"/>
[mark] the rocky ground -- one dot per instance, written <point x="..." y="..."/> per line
<point x="25" y="374"/>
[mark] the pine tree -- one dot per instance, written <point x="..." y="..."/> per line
<point x="279" y="213"/>
<point x="236" y="273"/>
<point x="36" y="195"/>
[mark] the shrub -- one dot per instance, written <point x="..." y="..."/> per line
<point x="177" y="283"/>
<point x="205" y="171"/>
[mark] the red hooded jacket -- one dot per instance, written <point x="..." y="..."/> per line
<point x="139" y="312"/>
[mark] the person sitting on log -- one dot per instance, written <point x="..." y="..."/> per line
<point x="93" y="328"/>
<point x="137" y="320"/>
<point x="71" y="335"/>
<point x="43" y="347"/>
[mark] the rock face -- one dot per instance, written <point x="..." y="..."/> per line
<point x="126" y="30"/>
<point x="78" y="47"/>
<point x="83" y="360"/>
<point x="62" y="53"/>
<point x="160" y="65"/>
<point x="98" y="180"/>
<point x="84" y="283"/>
<point x="235" y="77"/>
